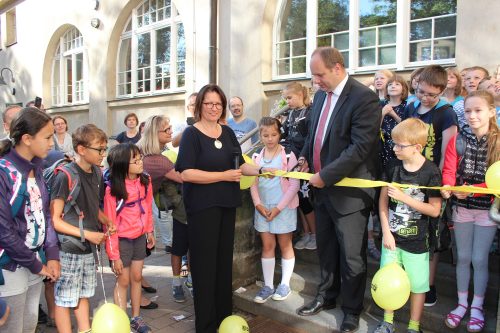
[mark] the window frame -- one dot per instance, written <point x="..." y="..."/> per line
<point x="402" y="42"/>
<point x="151" y="28"/>
<point x="79" y="88"/>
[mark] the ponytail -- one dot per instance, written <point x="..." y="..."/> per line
<point x="5" y="146"/>
<point x="493" y="142"/>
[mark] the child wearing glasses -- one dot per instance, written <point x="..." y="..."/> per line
<point x="128" y="203"/>
<point x="405" y="213"/>
<point x="442" y="125"/>
<point x="79" y="234"/>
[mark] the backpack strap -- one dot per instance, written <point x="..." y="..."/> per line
<point x="74" y="189"/>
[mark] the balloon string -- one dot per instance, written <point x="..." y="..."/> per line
<point x="99" y="259"/>
<point x="113" y="270"/>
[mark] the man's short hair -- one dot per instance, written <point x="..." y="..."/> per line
<point x="7" y="109"/>
<point x="434" y="75"/>
<point x="412" y="130"/>
<point x="330" y="56"/>
<point x="479" y="68"/>
<point x="85" y="134"/>
<point x="238" y="97"/>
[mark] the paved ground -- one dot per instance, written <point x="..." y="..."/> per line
<point x="159" y="273"/>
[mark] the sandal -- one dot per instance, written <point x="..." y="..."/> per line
<point x="453" y="320"/>
<point x="184" y="271"/>
<point x="475" y="321"/>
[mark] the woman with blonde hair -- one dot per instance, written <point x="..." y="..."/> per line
<point x="380" y="82"/>
<point x="452" y="93"/>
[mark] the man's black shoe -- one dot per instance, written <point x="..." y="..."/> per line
<point x="42" y="316"/>
<point x="317" y="305"/>
<point x="350" y="323"/>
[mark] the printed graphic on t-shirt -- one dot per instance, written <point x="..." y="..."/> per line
<point x="428" y="151"/>
<point x="403" y="219"/>
<point x="33" y="213"/>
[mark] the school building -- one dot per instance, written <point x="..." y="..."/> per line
<point x="95" y="61"/>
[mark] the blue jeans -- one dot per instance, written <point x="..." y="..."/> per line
<point x="163" y="225"/>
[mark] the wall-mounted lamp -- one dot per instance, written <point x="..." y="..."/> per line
<point x="2" y="80"/>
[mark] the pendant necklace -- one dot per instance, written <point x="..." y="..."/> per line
<point x="217" y="142"/>
<point x="272" y="157"/>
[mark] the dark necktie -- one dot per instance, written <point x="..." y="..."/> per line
<point x="318" y="142"/>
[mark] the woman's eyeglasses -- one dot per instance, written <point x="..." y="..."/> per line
<point x="166" y="130"/>
<point x="217" y="106"/>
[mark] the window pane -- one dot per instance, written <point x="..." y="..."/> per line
<point x="367" y="57"/>
<point x="181" y="43"/>
<point x="425" y="8"/>
<point x="324" y="41"/>
<point x="283" y="67"/>
<point x="444" y="49"/>
<point x="163" y="40"/>
<point x="299" y="48"/>
<point x="181" y="81"/>
<point x="345" y="55"/>
<point x="294" y="20"/>
<point x="341" y="41"/>
<point x="79" y="66"/>
<point x="69" y="80"/>
<point x="445" y="26"/>
<point x="387" y="35"/>
<point x="283" y="50"/>
<point x="367" y="38"/>
<point x="143" y="50"/>
<point x="298" y="65"/>
<point x="376" y="12"/>
<point x="387" y="55"/>
<point x="125" y="56"/>
<point x="333" y="16"/>
<point x="420" y="51"/>
<point x="421" y="30"/>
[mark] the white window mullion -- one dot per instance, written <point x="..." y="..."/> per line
<point x="353" y="35"/>
<point x="133" y="50"/>
<point x="152" y="61"/>
<point x="402" y="33"/>
<point x="73" y="78"/>
<point x="173" y="54"/>
<point x="311" y="32"/>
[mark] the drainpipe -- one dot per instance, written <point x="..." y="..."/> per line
<point x="212" y="62"/>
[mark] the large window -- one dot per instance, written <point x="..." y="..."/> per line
<point x="370" y="34"/>
<point x="69" y="70"/>
<point x="152" y="51"/>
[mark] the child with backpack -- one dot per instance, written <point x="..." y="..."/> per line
<point x="127" y="202"/>
<point x="276" y="203"/>
<point x="28" y="242"/>
<point x="76" y="191"/>
<point x="468" y="156"/>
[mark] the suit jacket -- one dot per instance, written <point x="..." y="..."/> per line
<point x="350" y="148"/>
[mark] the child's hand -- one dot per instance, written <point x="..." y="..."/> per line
<point x="232" y="175"/>
<point x="395" y="193"/>
<point x="445" y="193"/>
<point x="117" y="266"/>
<point x="262" y="210"/>
<point x="461" y="195"/>
<point x="111" y="229"/>
<point x="47" y="273"/>
<point x="55" y="267"/>
<point x="386" y="110"/>
<point x="272" y="214"/>
<point x="389" y="241"/>
<point x="95" y="237"/>
<point x="151" y="241"/>
<point x="271" y="170"/>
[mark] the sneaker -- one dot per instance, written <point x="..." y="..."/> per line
<point x="189" y="285"/>
<point x="430" y="297"/>
<point x="311" y="244"/>
<point x="282" y="292"/>
<point x="301" y="244"/>
<point x="373" y="252"/>
<point x="178" y="293"/>
<point x="263" y="295"/>
<point x="413" y="331"/>
<point x="138" y="325"/>
<point x="385" y="327"/>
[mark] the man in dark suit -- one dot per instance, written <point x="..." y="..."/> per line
<point x="342" y="143"/>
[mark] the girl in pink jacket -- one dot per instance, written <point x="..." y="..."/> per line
<point x="276" y="203"/>
<point x="127" y="202"/>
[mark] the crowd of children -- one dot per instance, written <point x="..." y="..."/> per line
<point x="441" y="129"/>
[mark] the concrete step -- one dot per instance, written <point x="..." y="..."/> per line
<point x="446" y="284"/>
<point x="330" y="320"/>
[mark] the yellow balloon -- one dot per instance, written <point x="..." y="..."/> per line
<point x="110" y="318"/>
<point x="234" y="324"/>
<point x="246" y="182"/>
<point x="493" y="176"/>
<point x="390" y="287"/>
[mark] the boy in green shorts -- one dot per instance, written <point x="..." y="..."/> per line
<point x="405" y="213"/>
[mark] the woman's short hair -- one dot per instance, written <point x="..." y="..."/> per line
<point x="131" y="115"/>
<point x="62" y="118"/>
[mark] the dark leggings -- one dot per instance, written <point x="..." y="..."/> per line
<point x="211" y="239"/>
